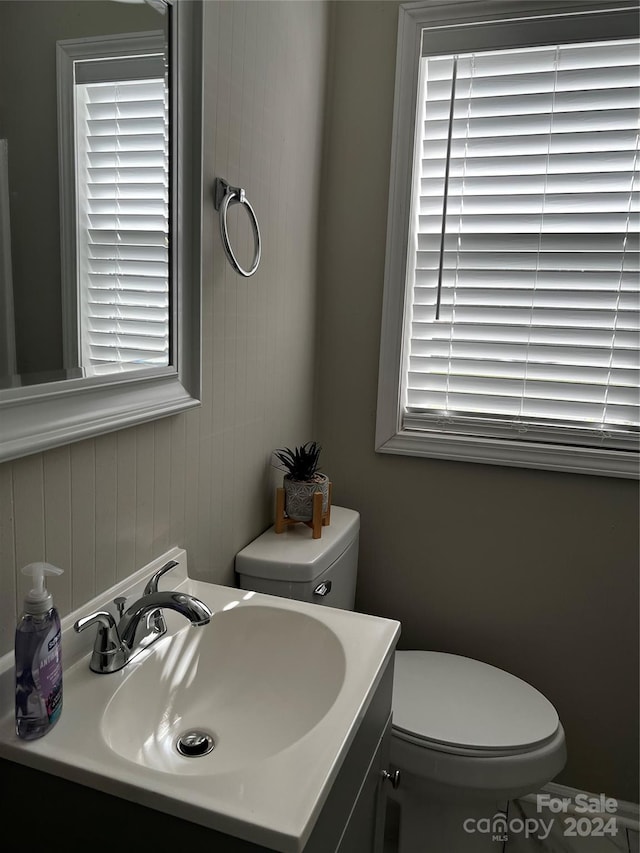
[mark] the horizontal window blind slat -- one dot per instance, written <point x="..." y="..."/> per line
<point x="527" y="408"/>
<point x="495" y="145"/>
<point x="118" y="251"/>
<point x="534" y="389"/>
<point x="126" y="354"/>
<point x="499" y="261"/>
<point x="127" y="109"/>
<point x="570" y="245"/>
<point x="549" y="105"/>
<point x="138" y="142"/>
<point x="569" y="354"/>
<point x="121" y="236"/>
<point x="620" y="181"/>
<point x="142" y="327"/>
<point x="532" y="411"/>
<point x="488" y="223"/>
<point x="619" y="318"/>
<point x="512" y="276"/>
<point x="122" y="267"/>
<point x="586" y="162"/>
<point x="574" y="300"/>
<point x="117" y="190"/>
<point x="127" y="282"/>
<point x="122" y="337"/>
<point x="123" y="176"/>
<point x="126" y="91"/>
<point x="124" y="299"/>
<point x="534" y="83"/>
<point x="542" y="203"/>
<point x="526" y="333"/>
<point x="127" y="159"/>
<point x="550" y="124"/>
<point x="117" y="311"/>
<point x="421" y="368"/>
<point x="120" y="126"/>
<point x="125" y="205"/>
<point x="133" y="222"/>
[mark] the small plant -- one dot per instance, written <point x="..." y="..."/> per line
<point x="301" y="463"/>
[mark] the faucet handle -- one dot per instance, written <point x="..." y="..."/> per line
<point x="152" y="583"/>
<point x="102" y="618"/>
<point x="108" y="652"/>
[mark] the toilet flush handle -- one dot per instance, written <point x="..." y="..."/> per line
<point x="323" y="588"/>
<point x="392" y="778"/>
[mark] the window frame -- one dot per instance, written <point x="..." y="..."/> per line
<point x="391" y="436"/>
<point x="69" y="52"/>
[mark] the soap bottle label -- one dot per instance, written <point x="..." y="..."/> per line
<point x="49" y="674"/>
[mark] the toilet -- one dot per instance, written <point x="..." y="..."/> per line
<point x="466" y="737"/>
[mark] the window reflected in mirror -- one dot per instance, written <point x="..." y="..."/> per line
<point x="115" y="99"/>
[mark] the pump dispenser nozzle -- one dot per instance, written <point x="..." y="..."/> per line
<point x="39" y="599"/>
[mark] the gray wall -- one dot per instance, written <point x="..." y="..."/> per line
<point x="103" y="508"/>
<point x="531" y="571"/>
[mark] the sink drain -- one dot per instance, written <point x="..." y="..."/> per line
<point x="195" y="743"/>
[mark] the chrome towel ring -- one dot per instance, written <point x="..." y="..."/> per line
<point x="225" y="195"/>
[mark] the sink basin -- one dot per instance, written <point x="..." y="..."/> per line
<point x="256" y="679"/>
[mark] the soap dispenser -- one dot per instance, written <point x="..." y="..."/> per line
<point x="38" y="658"/>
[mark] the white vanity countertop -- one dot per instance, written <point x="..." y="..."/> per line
<point x="273" y="800"/>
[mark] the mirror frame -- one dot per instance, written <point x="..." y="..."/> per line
<point x="39" y="417"/>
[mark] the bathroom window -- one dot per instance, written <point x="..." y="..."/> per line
<point x="511" y="312"/>
<point x="117" y="218"/>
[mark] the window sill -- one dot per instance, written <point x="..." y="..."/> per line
<point x="492" y="451"/>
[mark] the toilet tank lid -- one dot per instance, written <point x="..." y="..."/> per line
<point x="294" y="555"/>
<point x="463" y="702"/>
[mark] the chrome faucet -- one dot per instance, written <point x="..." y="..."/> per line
<point x="140" y="625"/>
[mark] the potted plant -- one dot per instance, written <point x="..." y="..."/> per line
<point x="302" y="479"/>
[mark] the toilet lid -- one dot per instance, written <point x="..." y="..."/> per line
<point x="462" y="702"/>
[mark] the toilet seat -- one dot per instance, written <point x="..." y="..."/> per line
<point x="468" y="752"/>
<point x="462" y="706"/>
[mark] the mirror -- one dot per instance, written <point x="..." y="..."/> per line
<point x="100" y="179"/>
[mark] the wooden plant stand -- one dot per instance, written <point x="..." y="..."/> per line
<point x="318" y="519"/>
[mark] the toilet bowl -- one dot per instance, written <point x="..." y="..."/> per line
<point x="466" y="736"/>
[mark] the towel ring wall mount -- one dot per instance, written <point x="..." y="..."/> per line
<point x="224" y="196"/>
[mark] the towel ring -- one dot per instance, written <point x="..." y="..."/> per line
<point x="225" y="195"/>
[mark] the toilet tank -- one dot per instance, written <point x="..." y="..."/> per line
<point x="294" y="565"/>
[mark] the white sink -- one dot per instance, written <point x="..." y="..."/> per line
<point x="256" y="679"/>
<point x="280" y="685"/>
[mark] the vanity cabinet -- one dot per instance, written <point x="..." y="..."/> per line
<point x="351" y="819"/>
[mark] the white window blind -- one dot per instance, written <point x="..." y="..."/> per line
<point x="123" y="216"/>
<point x="523" y="251"/>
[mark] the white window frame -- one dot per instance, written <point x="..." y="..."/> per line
<point x="69" y="52"/>
<point x="391" y="435"/>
